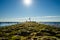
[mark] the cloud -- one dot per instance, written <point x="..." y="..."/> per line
<point x="39" y="18"/>
<point x="51" y="16"/>
<point x="47" y="17"/>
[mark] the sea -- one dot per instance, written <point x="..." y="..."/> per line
<point x="2" y="24"/>
<point x="56" y="24"/>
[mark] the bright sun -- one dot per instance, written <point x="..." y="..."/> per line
<point x="27" y="2"/>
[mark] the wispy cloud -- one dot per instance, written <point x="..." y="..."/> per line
<point x="51" y="16"/>
<point x="47" y="17"/>
<point x="39" y="18"/>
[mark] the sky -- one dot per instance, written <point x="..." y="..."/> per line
<point x="37" y="10"/>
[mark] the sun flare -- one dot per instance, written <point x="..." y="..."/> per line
<point x="27" y="2"/>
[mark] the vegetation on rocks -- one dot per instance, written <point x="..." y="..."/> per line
<point x="29" y="31"/>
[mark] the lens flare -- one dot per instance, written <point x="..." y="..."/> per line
<point x="27" y="2"/>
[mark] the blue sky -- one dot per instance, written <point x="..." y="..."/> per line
<point x="42" y="10"/>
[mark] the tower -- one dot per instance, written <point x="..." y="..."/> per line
<point x="29" y="19"/>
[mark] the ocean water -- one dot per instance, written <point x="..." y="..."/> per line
<point x="7" y="23"/>
<point x="57" y="24"/>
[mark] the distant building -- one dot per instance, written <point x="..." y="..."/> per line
<point x="29" y="19"/>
